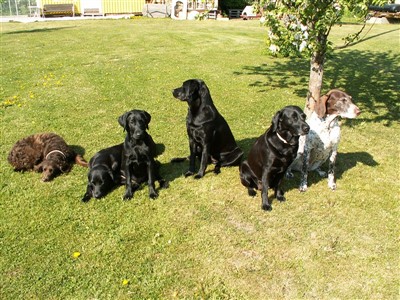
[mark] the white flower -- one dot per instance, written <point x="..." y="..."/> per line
<point x="271" y="35"/>
<point x="273" y="48"/>
<point x="302" y="46"/>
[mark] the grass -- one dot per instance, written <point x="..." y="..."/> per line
<point x="201" y="239"/>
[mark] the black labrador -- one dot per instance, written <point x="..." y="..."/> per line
<point x="272" y="153"/>
<point x="104" y="173"/>
<point x="138" y="154"/>
<point x="210" y="137"/>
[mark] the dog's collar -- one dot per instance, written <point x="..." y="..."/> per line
<point x="281" y="138"/>
<point x="55" y="151"/>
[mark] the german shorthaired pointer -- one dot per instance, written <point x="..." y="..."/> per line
<point x="323" y="139"/>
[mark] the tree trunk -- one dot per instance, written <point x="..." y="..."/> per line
<point x="315" y="83"/>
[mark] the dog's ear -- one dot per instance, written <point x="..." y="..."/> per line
<point x="63" y="169"/>
<point x="122" y="120"/>
<point x="320" y="107"/>
<point x="275" y="121"/>
<point x="147" y="118"/>
<point x="38" y="168"/>
<point x="204" y="92"/>
<point x="111" y="175"/>
<point x="114" y="165"/>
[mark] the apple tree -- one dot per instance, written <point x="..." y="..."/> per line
<point x="302" y="28"/>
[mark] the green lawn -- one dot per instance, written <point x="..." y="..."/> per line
<point x="201" y="239"/>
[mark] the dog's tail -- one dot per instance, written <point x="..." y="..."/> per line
<point x="179" y="159"/>
<point x="81" y="161"/>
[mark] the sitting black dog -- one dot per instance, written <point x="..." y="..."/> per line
<point x="138" y="154"/>
<point x="210" y="137"/>
<point x="104" y="173"/>
<point x="272" y="154"/>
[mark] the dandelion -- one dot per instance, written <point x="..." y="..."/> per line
<point x="76" y="254"/>
<point x="125" y="282"/>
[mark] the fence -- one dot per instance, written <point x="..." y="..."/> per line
<point x="16" y="7"/>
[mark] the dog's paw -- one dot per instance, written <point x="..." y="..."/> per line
<point x="266" y="207"/>
<point x="199" y="175"/>
<point x="303" y="188"/>
<point x="189" y="173"/>
<point x="289" y="175"/>
<point x="281" y="198"/>
<point x="153" y="195"/>
<point x="217" y="170"/>
<point x="86" y="198"/>
<point x="332" y="185"/>
<point x="251" y="192"/>
<point x="331" y="182"/>
<point x="164" y="184"/>
<point x="128" y="196"/>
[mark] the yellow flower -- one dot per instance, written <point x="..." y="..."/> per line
<point x="125" y="282"/>
<point x="76" y="254"/>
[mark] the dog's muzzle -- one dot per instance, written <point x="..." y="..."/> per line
<point x="306" y="129"/>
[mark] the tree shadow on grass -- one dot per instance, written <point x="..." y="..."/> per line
<point x="372" y="78"/>
<point x="344" y="162"/>
<point x="39" y="30"/>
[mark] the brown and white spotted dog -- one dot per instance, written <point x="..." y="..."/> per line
<point x="323" y="139"/>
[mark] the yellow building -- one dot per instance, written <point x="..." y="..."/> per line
<point x="104" y="7"/>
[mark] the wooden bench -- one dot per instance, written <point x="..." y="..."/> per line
<point x="58" y="10"/>
<point x="234" y="13"/>
<point x="92" y="12"/>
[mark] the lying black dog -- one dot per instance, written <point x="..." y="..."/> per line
<point x="105" y="172"/>
<point x="272" y="154"/>
<point x="210" y="137"/>
<point x="138" y="154"/>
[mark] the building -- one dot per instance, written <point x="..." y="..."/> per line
<point x="177" y="9"/>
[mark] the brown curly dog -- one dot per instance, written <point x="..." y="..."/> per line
<point x="44" y="152"/>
